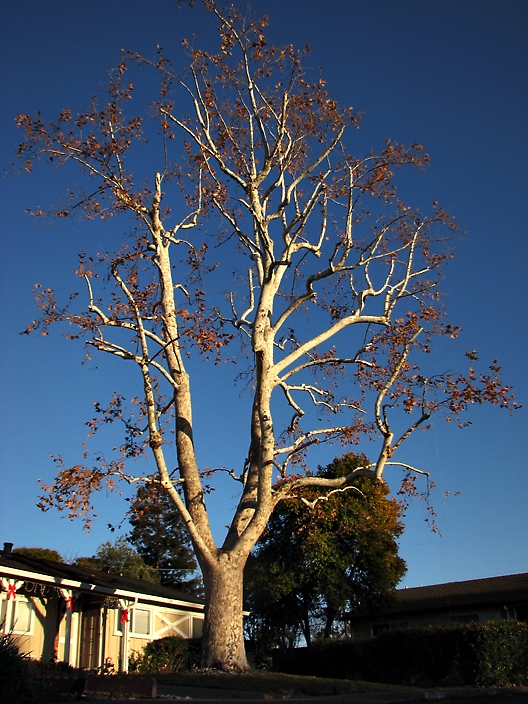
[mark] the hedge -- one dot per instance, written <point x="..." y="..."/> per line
<point x="483" y="654"/>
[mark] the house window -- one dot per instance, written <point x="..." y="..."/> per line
<point x="483" y="616"/>
<point x="140" y="622"/>
<point x="21" y="616"/>
<point x="378" y="628"/>
<point x="464" y="618"/>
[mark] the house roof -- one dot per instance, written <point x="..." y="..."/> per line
<point x="59" y="574"/>
<point x="509" y="588"/>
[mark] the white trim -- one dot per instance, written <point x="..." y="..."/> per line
<point x="137" y="634"/>
<point x="171" y="627"/>
<point x="64" y="582"/>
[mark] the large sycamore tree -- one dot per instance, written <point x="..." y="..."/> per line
<point x="334" y="301"/>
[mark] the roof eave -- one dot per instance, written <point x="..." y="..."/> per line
<point x="99" y="589"/>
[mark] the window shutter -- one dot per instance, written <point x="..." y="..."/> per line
<point x="141" y="622"/>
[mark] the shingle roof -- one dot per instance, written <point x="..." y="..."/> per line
<point x="509" y="588"/>
<point x="57" y="572"/>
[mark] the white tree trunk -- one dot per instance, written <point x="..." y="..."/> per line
<point x="223" y="636"/>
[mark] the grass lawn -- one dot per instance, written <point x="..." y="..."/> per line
<point x="262" y="681"/>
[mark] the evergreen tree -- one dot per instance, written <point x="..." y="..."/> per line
<point x="159" y="536"/>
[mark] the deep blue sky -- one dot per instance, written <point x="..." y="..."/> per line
<point x="451" y="74"/>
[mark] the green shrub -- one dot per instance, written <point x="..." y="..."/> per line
<point x="499" y="653"/>
<point x="13" y="669"/>
<point x="171" y="654"/>
<point x="482" y="654"/>
<point x="24" y="680"/>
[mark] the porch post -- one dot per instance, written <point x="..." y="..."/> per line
<point x="124" y="620"/>
<point x="68" y="596"/>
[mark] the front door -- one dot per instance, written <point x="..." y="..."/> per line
<point x="90" y="638"/>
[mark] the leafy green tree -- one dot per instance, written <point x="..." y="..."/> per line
<point x="119" y="558"/>
<point x="39" y="553"/>
<point x="88" y="563"/>
<point x="320" y="555"/>
<point x="159" y="536"/>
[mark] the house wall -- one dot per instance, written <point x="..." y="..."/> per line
<point x="435" y="617"/>
<point x="161" y="622"/>
<point x="73" y="657"/>
<point x="112" y="642"/>
<point x="32" y="622"/>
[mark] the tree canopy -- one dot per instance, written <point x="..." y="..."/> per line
<point x="40" y="553"/>
<point x="159" y="536"/>
<point x="243" y="183"/>
<point x="121" y="559"/>
<point x="317" y="558"/>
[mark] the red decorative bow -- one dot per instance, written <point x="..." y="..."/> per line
<point x="11" y="591"/>
<point x="124" y="616"/>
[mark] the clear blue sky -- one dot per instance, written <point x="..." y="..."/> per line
<point x="451" y="74"/>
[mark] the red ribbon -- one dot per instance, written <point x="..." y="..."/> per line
<point x="11" y="591"/>
<point x="69" y="603"/>
<point x="124" y="616"/>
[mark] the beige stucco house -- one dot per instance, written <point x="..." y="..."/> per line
<point x="88" y="619"/>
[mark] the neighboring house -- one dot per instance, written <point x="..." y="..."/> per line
<point x="87" y="618"/>
<point x="481" y="600"/>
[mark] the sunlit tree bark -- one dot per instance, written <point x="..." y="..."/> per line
<point x="340" y="300"/>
